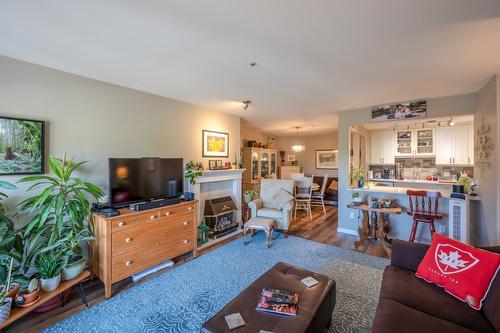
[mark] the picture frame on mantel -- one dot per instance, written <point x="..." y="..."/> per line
<point x="215" y="144"/>
<point x="327" y="159"/>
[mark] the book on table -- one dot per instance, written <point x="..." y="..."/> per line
<point x="278" y="301"/>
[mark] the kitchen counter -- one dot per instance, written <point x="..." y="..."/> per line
<point x="414" y="181"/>
<point x="402" y="191"/>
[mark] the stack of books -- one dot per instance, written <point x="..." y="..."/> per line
<point x="278" y="301"/>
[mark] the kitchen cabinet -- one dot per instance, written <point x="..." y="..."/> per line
<point x="382" y="146"/>
<point x="415" y="142"/>
<point x="455" y="145"/>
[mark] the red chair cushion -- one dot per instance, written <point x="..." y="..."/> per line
<point x="462" y="270"/>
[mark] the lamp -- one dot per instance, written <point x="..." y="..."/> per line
<point x="297" y="147"/>
<point x="246" y="103"/>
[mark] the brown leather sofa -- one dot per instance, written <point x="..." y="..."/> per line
<point x="331" y="196"/>
<point x="410" y="304"/>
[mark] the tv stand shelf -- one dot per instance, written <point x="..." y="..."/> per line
<point x="135" y="241"/>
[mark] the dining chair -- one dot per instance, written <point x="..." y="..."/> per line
<point x="317" y="197"/>
<point x="303" y="192"/>
<point x="424" y="208"/>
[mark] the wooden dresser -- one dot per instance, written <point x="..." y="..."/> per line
<point x="135" y="241"/>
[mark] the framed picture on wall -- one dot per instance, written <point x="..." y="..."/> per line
<point x="219" y="165"/>
<point x="291" y="158"/>
<point x="215" y="144"/>
<point x="22" y="146"/>
<point x="327" y="159"/>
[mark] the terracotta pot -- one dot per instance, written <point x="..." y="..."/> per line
<point x="73" y="269"/>
<point x="14" y="288"/>
<point x="29" y="297"/>
<point x="5" y="310"/>
<point x="50" y="284"/>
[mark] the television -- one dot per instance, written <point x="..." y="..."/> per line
<point x="144" y="179"/>
<point x="22" y="146"/>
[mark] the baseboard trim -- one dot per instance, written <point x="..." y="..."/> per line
<point x="347" y="231"/>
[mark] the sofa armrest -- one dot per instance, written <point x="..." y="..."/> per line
<point x="407" y="255"/>
<point x="288" y="206"/>
<point x="255" y="205"/>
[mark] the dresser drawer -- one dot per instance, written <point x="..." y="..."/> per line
<point x="147" y="234"/>
<point x="124" y="223"/>
<point x="174" y="211"/>
<point x="132" y="262"/>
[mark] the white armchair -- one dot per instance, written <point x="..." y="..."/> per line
<point x="264" y="206"/>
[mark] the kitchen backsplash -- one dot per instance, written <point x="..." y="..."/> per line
<point x="423" y="167"/>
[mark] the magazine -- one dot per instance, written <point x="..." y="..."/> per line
<point x="278" y="301"/>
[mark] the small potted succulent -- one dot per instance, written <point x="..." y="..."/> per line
<point x="5" y="300"/>
<point x="29" y="295"/>
<point x="357" y="199"/>
<point x="192" y="170"/>
<point x="50" y="265"/>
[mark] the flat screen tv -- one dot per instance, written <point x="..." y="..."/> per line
<point x="22" y="146"/>
<point x="144" y="179"/>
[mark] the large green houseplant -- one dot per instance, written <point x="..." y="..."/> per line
<point x="61" y="210"/>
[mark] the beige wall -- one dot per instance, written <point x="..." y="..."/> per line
<point x="307" y="158"/>
<point x="249" y="132"/>
<point x="93" y="121"/>
<point x="488" y="113"/>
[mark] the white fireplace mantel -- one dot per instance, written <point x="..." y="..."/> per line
<point x="216" y="183"/>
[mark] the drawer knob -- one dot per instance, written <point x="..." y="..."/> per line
<point x="121" y="224"/>
<point x="152" y="217"/>
<point x="128" y="263"/>
<point x="128" y="240"/>
<point x="186" y="222"/>
<point x="185" y="241"/>
<point x="190" y="208"/>
<point x="167" y="213"/>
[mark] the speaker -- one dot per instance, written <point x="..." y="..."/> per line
<point x="139" y="207"/>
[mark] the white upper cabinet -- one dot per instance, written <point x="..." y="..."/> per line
<point x="382" y="147"/>
<point x="415" y="142"/>
<point x="455" y="145"/>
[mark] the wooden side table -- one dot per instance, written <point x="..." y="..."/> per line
<point x="245" y="213"/>
<point x="375" y="225"/>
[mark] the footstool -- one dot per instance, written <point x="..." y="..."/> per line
<point x="260" y="223"/>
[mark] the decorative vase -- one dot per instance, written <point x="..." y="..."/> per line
<point x="5" y="310"/>
<point x="50" y="284"/>
<point x="73" y="269"/>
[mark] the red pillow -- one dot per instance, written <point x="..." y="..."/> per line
<point x="462" y="270"/>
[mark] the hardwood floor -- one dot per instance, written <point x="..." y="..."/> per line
<point x="323" y="228"/>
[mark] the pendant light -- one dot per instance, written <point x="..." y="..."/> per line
<point x="297" y="147"/>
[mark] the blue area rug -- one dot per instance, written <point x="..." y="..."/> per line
<point x="182" y="299"/>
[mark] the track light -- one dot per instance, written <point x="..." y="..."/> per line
<point x="246" y="103"/>
<point x="451" y="122"/>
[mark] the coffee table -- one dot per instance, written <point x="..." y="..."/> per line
<point x="314" y="309"/>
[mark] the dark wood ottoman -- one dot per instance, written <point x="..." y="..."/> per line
<point x="314" y="309"/>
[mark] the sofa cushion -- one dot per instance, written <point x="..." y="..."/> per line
<point x="491" y="304"/>
<point x="392" y="316"/>
<point x="270" y="213"/>
<point x="402" y="286"/>
<point x="462" y="270"/>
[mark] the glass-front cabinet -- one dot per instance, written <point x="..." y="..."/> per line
<point x="264" y="163"/>
<point x="425" y="141"/>
<point x="254" y="166"/>
<point x="404" y="143"/>
<point x="415" y="142"/>
<point x="259" y="163"/>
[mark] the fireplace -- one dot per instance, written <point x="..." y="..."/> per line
<point x="220" y="216"/>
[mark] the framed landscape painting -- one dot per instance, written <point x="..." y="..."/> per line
<point x="327" y="159"/>
<point x="21" y="146"/>
<point x="215" y="144"/>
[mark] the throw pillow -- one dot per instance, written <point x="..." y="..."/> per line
<point x="334" y="186"/>
<point x="462" y="270"/>
<point x="280" y="198"/>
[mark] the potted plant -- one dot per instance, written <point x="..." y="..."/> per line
<point x="74" y="261"/>
<point x="50" y="265"/>
<point x="192" y="170"/>
<point x="357" y="199"/>
<point x="465" y="181"/>
<point x="358" y="175"/>
<point x="5" y="300"/>
<point x="294" y="163"/>
<point x="249" y="195"/>
<point x="29" y="295"/>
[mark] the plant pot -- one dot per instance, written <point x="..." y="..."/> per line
<point x="14" y="288"/>
<point x="72" y="270"/>
<point x="357" y="201"/>
<point x="28" y="297"/>
<point x="50" y="284"/>
<point x="248" y="198"/>
<point x="5" y="310"/>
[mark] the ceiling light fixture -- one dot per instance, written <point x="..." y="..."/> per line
<point x="246" y="103"/>
<point x="297" y="147"/>
<point x="451" y="122"/>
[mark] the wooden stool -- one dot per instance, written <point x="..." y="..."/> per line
<point x="423" y="210"/>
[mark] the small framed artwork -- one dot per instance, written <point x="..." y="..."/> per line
<point x="291" y="158"/>
<point x="219" y="165"/>
<point x="327" y="159"/>
<point x="212" y="165"/>
<point x="215" y="144"/>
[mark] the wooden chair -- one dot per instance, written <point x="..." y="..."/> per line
<point x="319" y="196"/>
<point x="424" y="208"/>
<point x="303" y="192"/>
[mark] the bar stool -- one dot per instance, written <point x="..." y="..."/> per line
<point x="423" y="208"/>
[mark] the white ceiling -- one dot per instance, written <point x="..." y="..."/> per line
<point x="315" y="57"/>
